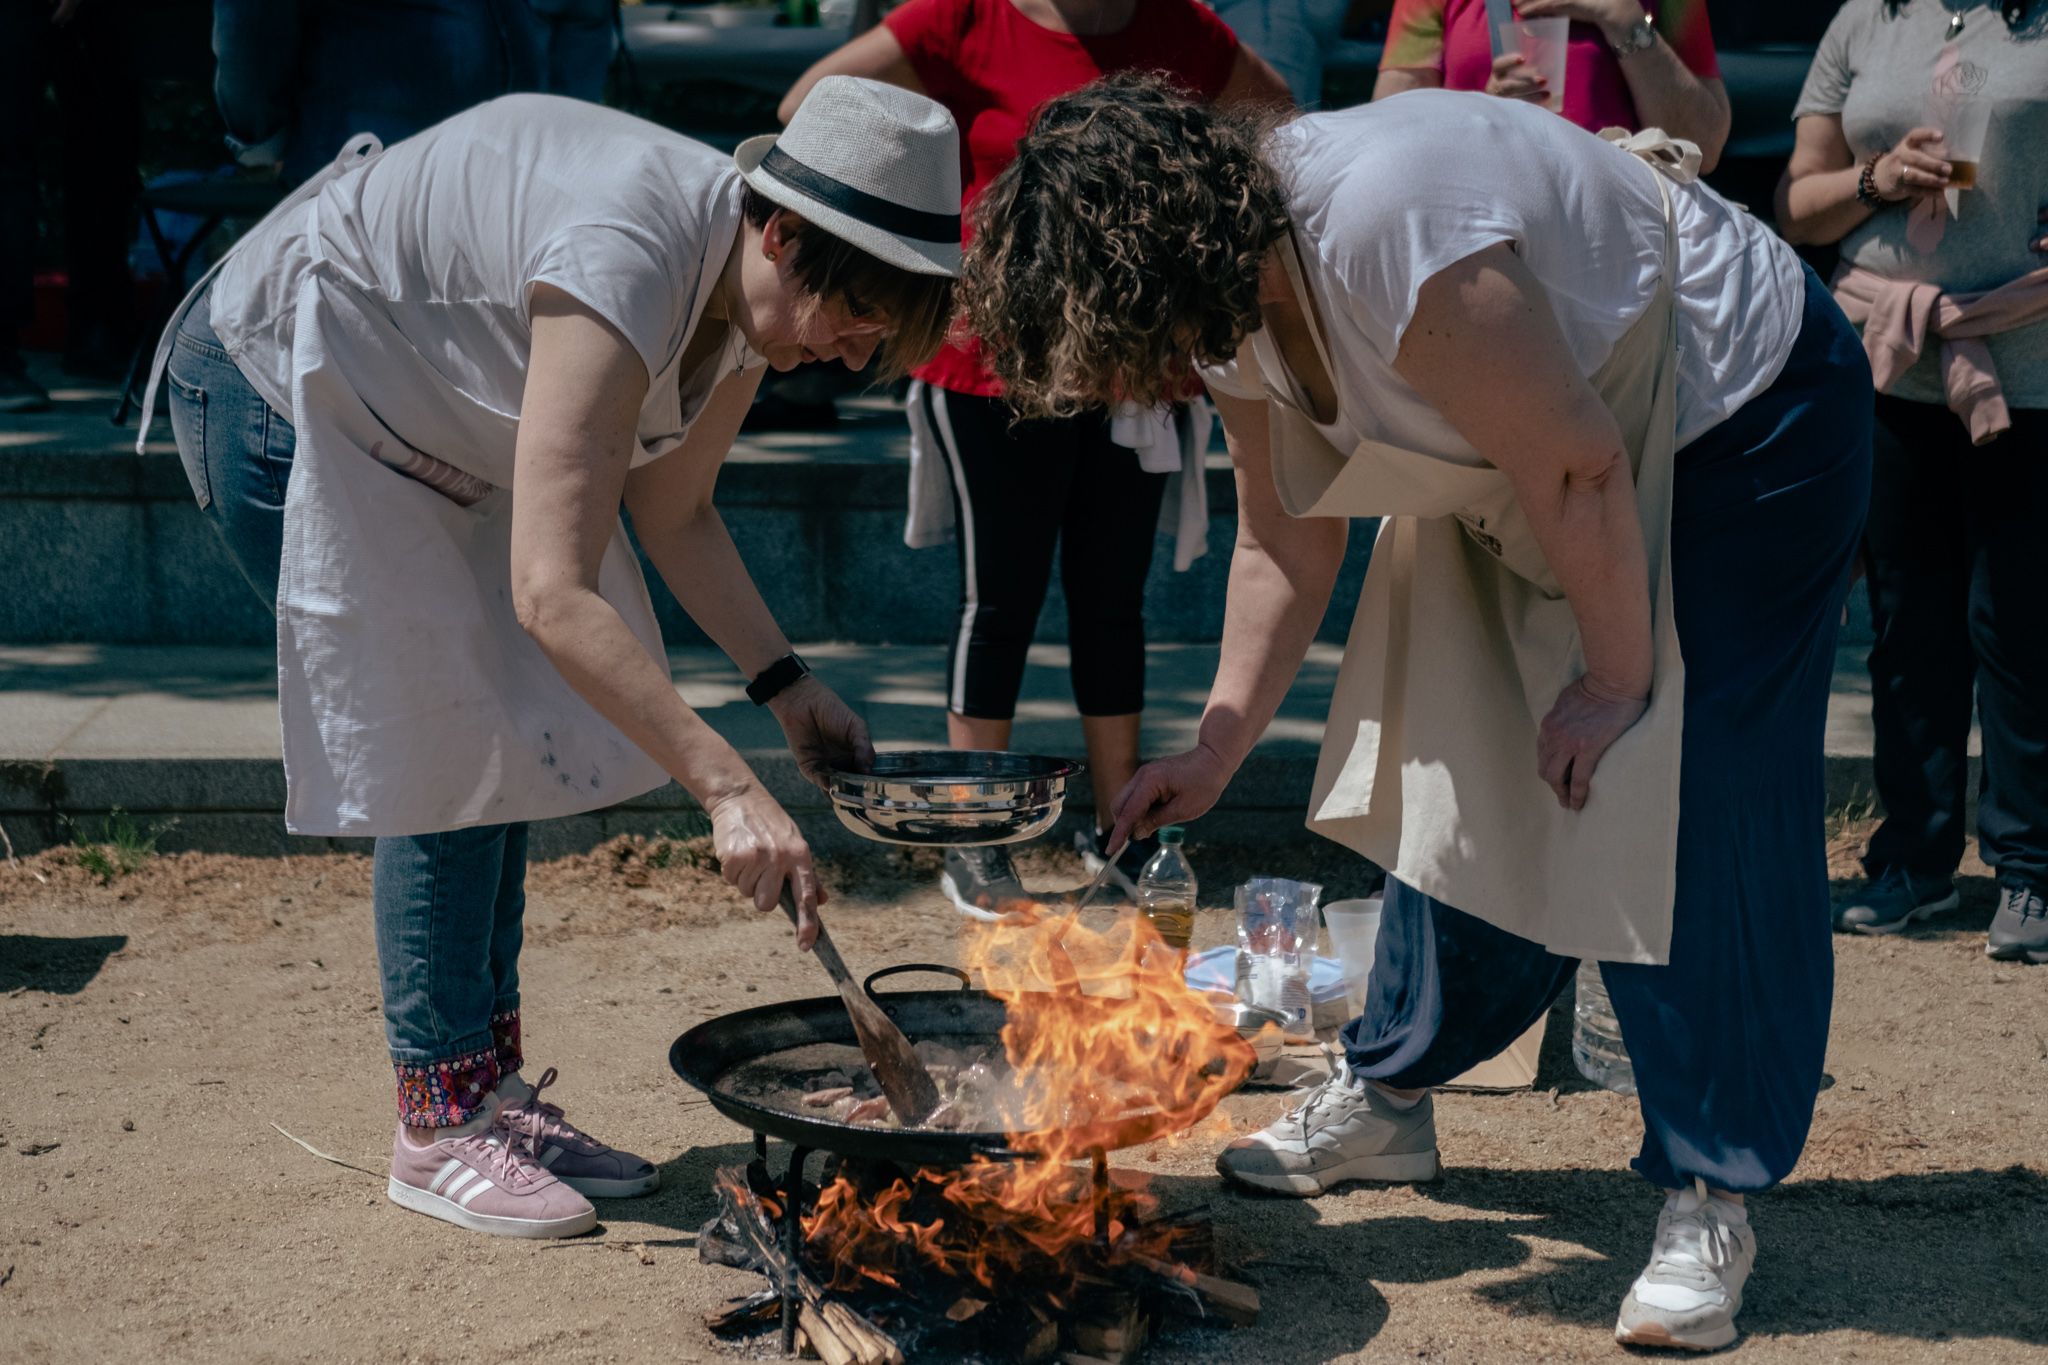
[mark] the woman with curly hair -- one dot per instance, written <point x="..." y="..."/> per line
<point x="1619" y="439"/>
<point x="1088" y="483"/>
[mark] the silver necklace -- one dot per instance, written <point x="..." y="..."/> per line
<point x="1955" y="27"/>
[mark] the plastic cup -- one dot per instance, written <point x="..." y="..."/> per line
<point x="1543" y="44"/>
<point x="1964" y="126"/>
<point x="1354" y="937"/>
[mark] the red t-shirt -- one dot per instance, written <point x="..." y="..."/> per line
<point x="992" y="67"/>
<point x="1450" y="37"/>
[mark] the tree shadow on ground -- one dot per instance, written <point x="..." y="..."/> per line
<point x="59" y="966"/>
<point x="1961" y="1253"/>
<point x="684" y="1203"/>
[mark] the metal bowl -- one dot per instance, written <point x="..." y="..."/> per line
<point x="953" y="797"/>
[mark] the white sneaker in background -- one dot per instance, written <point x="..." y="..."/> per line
<point x="1687" y="1297"/>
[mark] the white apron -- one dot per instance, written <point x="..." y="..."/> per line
<point x="411" y="701"/>
<point x="1462" y="641"/>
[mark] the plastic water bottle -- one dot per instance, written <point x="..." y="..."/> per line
<point x="1166" y="890"/>
<point x="1597" y="1049"/>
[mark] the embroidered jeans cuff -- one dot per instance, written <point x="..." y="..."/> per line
<point x="448" y="1091"/>
<point x="505" y="1040"/>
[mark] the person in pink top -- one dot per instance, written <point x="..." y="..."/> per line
<point x="1632" y="63"/>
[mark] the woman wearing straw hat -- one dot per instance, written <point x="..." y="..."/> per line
<point x="552" y="297"/>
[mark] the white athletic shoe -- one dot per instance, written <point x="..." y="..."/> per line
<point x="1343" y="1129"/>
<point x="1689" y="1294"/>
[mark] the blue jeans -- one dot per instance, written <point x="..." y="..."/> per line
<point x="448" y="905"/>
<point x="1292" y="35"/>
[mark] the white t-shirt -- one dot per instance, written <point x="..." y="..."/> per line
<point x="440" y="240"/>
<point x="1387" y="195"/>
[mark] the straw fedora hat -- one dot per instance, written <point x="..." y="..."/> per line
<point x="872" y="164"/>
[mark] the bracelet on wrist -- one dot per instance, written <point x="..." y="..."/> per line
<point x="777" y="678"/>
<point x="1866" y="184"/>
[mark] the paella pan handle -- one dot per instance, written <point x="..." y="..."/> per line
<point x="868" y="985"/>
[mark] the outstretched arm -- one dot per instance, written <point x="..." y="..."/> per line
<point x="1282" y="571"/>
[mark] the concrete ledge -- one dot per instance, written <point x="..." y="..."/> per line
<point x="191" y="734"/>
<point x="104" y="545"/>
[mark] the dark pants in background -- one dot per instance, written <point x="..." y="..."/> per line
<point x="1019" y="490"/>
<point x="89" y="61"/>
<point x="1959" y="602"/>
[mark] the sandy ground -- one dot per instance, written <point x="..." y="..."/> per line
<point x="156" y="1027"/>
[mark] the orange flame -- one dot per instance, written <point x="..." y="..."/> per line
<point x="1108" y="1048"/>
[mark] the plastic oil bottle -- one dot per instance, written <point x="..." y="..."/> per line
<point x="1166" y="890"/>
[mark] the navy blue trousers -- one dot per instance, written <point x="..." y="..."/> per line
<point x="1728" y="1039"/>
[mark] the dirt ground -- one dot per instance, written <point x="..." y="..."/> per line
<point x="157" y="1026"/>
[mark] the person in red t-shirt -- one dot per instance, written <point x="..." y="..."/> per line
<point x="1020" y="489"/>
<point x="1633" y="63"/>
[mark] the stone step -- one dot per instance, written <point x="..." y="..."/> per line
<point x="105" y="545"/>
<point x="190" y="733"/>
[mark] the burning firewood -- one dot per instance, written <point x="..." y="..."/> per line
<point x="1102" y="1046"/>
<point x="839" y="1335"/>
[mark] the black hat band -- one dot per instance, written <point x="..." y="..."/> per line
<point x="873" y="210"/>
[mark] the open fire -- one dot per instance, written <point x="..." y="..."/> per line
<point x="1108" y="1048"/>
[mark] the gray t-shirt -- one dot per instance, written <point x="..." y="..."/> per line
<point x="1875" y="68"/>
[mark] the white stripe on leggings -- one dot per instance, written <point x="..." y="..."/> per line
<point x="970" y="589"/>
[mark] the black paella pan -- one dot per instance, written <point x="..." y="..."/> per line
<point x="752" y="1066"/>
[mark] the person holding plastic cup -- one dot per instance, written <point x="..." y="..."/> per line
<point x="1631" y="64"/>
<point x="1923" y="152"/>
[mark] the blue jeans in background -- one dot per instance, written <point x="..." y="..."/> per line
<point x="1294" y="36"/>
<point x="317" y="72"/>
<point x="448" y="905"/>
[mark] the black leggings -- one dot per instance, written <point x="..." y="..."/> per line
<point x="1019" y="489"/>
<point x="1960" y="605"/>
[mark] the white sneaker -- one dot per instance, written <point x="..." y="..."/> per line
<point x="1343" y="1129"/>
<point x="1689" y="1294"/>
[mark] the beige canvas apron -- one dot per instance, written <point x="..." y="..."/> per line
<point x="1461" y="643"/>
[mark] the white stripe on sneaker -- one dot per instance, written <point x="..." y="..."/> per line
<point x="474" y="1190"/>
<point x="452" y="1165"/>
<point x="551" y="1156"/>
<point x="455" y="1185"/>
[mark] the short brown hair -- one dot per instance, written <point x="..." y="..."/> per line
<point x="918" y="307"/>
<point x="1122" y="246"/>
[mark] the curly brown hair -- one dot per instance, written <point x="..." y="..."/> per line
<point x="918" y="307"/>
<point x="1121" y="248"/>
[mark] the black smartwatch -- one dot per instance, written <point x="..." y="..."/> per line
<point x="777" y="678"/>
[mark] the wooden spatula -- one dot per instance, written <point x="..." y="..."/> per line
<point x="905" y="1083"/>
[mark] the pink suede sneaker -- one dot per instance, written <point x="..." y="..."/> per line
<point x="487" y="1181"/>
<point x="577" y="1159"/>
